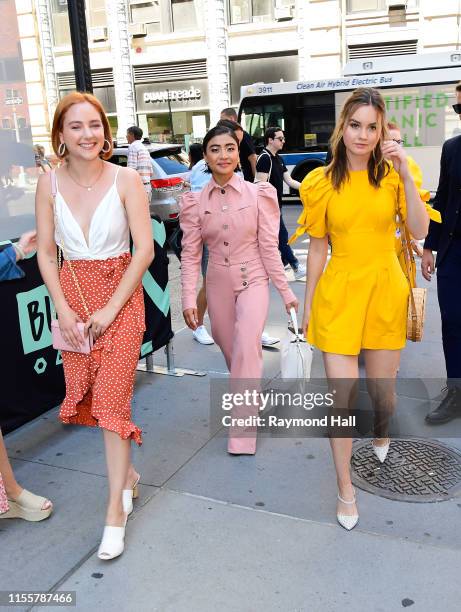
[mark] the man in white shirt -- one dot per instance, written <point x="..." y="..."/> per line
<point x="139" y="158"/>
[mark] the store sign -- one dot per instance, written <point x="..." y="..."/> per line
<point x="175" y="94"/>
<point x="179" y="95"/>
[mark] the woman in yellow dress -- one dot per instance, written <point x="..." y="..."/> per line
<point x="359" y="301"/>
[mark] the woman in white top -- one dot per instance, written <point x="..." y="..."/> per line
<point x="98" y="205"/>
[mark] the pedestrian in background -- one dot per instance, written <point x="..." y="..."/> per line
<point x="270" y="167"/>
<point x="434" y="215"/>
<point x="89" y="208"/>
<point x="360" y="300"/>
<point x="15" y="501"/>
<point x="247" y="149"/>
<point x="239" y="222"/>
<point x="40" y="159"/>
<point x="446" y="240"/>
<point x="139" y="158"/>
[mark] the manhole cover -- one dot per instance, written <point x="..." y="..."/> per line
<point x="415" y="470"/>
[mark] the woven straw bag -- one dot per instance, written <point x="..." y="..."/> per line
<point x="417" y="297"/>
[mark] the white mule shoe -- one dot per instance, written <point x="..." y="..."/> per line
<point x="128" y="495"/>
<point x="112" y="543"/>
<point x="381" y="451"/>
<point x="348" y="521"/>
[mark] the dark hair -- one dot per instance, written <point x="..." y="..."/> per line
<point x="135" y="131"/>
<point x="230" y="112"/>
<point x="270" y="133"/>
<point x="458" y="86"/>
<point x="232" y="125"/>
<point x="195" y="153"/>
<point x="378" y="167"/>
<point x="219" y="130"/>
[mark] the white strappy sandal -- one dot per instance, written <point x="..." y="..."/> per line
<point x="348" y="521"/>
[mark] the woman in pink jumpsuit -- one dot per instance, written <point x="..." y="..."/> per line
<point x="239" y="222"/>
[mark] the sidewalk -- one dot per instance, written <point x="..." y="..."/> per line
<point x="211" y="532"/>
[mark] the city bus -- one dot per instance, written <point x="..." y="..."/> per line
<point x="418" y="90"/>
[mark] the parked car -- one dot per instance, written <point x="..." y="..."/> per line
<point x="169" y="179"/>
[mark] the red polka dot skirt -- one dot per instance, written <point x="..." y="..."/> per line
<point x="3" y="498"/>
<point x="99" y="386"/>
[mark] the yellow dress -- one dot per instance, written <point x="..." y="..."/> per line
<point x="361" y="299"/>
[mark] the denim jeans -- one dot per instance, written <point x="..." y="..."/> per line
<point x="288" y="257"/>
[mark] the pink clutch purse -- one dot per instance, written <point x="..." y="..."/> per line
<point x="60" y="344"/>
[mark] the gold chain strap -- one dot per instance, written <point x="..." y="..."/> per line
<point x="62" y="249"/>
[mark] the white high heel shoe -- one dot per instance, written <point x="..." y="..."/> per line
<point x="128" y="495"/>
<point x="113" y="542"/>
<point x="381" y="451"/>
<point x="348" y="521"/>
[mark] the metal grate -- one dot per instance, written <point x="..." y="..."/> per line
<point x="415" y="470"/>
<point x="99" y="77"/>
<point x="407" y="47"/>
<point x="170" y="72"/>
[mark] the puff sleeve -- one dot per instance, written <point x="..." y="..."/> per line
<point x="268" y="239"/>
<point x="192" y="247"/>
<point x="314" y="192"/>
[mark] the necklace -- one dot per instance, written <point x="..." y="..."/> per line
<point x="87" y="187"/>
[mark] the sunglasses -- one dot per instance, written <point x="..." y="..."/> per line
<point x="457" y="108"/>
<point x="282" y="138"/>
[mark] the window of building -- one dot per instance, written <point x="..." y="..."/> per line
<point x="148" y="13"/>
<point x="247" y="11"/>
<point x="11" y="93"/>
<point x="6" y="124"/>
<point x="22" y="123"/>
<point x="11" y="69"/>
<point x="355" y="6"/>
<point x="186" y="14"/>
<point x="97" y="13"/>
<point x="60" y="18"/>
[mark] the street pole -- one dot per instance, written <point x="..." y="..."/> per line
<point x="80" y="51"/>
<point x="170" y="114"/>
<point x="22" y="174"/>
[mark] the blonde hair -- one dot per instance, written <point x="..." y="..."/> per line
<point x="77" y="97"/>
<point x="377" y="166"/>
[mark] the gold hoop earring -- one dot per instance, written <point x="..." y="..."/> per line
<point x="62" y="149"/>
<point x="108" y="146"/>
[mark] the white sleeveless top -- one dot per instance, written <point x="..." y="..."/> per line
<point x="108" y="236"/>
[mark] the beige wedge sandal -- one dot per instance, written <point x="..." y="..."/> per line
<point x="29" y="507"/>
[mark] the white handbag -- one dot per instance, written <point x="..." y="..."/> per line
<point x="295" y="353"/>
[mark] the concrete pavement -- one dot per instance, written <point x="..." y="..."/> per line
<point x="211" y="532"/>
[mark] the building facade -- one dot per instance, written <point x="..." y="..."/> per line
<point x="184" y="60"/>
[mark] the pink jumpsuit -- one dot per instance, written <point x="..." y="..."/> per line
<point x="239" y="223"/>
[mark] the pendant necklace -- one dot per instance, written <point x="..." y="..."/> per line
<point x="87" y="187"/>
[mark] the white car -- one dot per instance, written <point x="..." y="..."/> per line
<point x="169" y="171"/>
